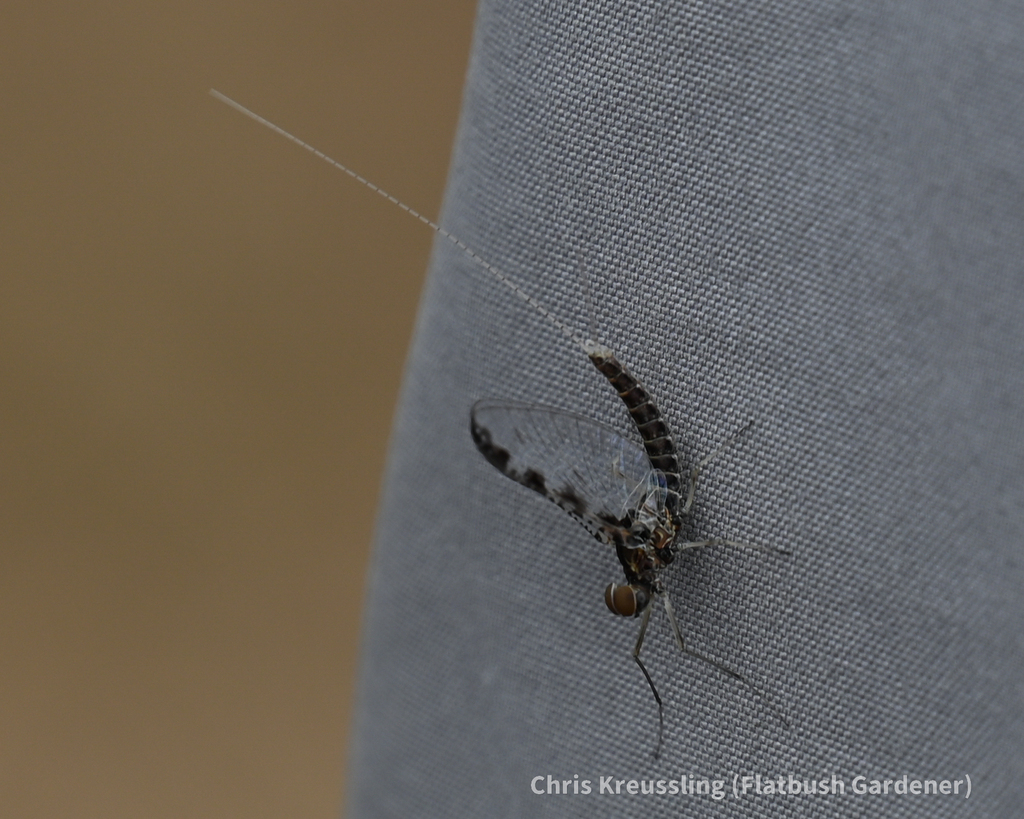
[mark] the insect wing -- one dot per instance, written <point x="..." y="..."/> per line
<point x="587" y="468"/>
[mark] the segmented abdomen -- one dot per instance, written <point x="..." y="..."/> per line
<point x="658" y="441"/>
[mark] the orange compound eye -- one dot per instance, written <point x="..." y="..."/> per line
<point x="621" y="600"/>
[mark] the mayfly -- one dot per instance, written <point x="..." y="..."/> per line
<point x="632" y="498"/>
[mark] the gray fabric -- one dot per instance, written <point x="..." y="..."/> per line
<point x="809" y="214"/>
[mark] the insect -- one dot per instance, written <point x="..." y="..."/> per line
<point x="632" y="498"/>
<point x="628" y="497"/>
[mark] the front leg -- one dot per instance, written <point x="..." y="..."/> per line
<point x="646" y="618"/>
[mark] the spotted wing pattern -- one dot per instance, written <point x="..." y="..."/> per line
<point x="587" y="468"/>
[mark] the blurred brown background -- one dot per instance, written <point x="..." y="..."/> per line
<point x="201" y="334"/>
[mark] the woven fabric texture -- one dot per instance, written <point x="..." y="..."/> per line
<point x="806" y="214"/>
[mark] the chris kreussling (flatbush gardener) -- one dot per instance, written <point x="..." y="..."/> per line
<point x="751" y="785"/>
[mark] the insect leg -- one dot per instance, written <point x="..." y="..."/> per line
<point x="720" y="666"/>
<point x="645" y="619"/>
<point x="674" y="623"/>
<point x="719" y="541"/>
<point x="695" y="472"/>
